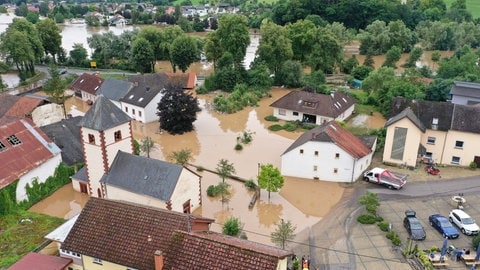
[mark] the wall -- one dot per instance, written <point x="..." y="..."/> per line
<point x="412" y="142"/>
<point x="467" y="153"/>
<point x="90" y="265"/>
<point x="116" y="193"/>
<point x="188" y="188"/>
<point x="437" y="148"/>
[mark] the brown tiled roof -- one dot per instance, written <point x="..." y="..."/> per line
<point x="87" y="83"/>
<point x="39" y="261"/>
<point x="209" y="250"/>
<point x="24" y="107"/>
<point x="7" y="101"/>
<point x="187" y="80"/>
<point x="25" y="156"/>
<point x="125" y="233"/>
<point x="331" y="105"/>
<point x="334" y="133"/>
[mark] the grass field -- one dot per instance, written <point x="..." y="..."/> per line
<point x="472" y="5"/>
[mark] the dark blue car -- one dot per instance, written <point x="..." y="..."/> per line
<point x="443" y="225"/>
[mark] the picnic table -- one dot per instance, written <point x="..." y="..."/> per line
<point x="469" y="259"/>
<point x="437" y="260"/>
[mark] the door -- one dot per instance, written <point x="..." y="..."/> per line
<point x="83" y="188"/>
<point x="186" y="207"/>
<point x="476" y="159"/>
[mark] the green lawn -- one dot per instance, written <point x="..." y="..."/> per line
<point x="17" y="239"/>
<point x="472" y="5"/>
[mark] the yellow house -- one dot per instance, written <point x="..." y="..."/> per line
<point x="114" y="235"/>
<point x="440" y="132"/>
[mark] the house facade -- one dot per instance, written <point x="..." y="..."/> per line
<point x="27" y="154"/>
<point x="465" y="93"/>
<point x="313" y="107"/>
<point x="328" y="153"/>
<point x="440" y="132"/>
<point x="86" y="86"/>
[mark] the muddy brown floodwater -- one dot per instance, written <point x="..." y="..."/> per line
<point x="302" y="201"/>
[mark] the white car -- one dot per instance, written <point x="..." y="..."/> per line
<point x="464" y="222"/>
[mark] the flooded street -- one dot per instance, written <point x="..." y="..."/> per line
<point x="56" y="206"/>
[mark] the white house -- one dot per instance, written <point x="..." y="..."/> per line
<point x="26" y="154"/>
<point x="86" y="86"/>
<point x="313" y="107"/>
<point x="330" y="153"/>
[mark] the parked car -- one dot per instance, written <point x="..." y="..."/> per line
<point x="464" y="222"/>
<point x="443" y="225"/>
<point x="413" y="226"/>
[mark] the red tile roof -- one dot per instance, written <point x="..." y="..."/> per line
<point x="334" y="133"/>
<point x="187" y="80"/>
<point x="39" y="261"/>
<point x="331" y="105"/>
<point x="16" y="160"/>
<point x="24" y="107"/>
<point x="125" y="233"/>
<point x="87" y="83"/>
<point x="210" y="250"/>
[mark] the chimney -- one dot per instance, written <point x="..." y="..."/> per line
<point x="158" y="256"/>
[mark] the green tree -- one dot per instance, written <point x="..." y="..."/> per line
<point x="32" y="17"/>
<point x="290" y="74"/>
<point x="232" y="227"/>
<point x="225" y="169"/>
<point x="327" y="52"/>
<point x="377" y="79"/>
<point x="274" y="47"/>
<point x="181" y="157"/>
<point x="21" y="10"/>
<point x="350" y="64"/>
<point x="50" y="37"/>
<point x="361" y="72"/>
<point x="142" y="56"/>
<point x="78" y="55"/>
<point x="270" y="178"/>
<point x="284" y="233"/>
<point x="177" y="111"/>
<point x="370" y="201"/>
<point x="155" y="36"/>
<point x="435" y="58"/>
<point x="147" y="145"/>
<point x="415" y="55"/>
<point x="369" y="62"/>
<point x="392" y="57"/>
<point x="212" y="48"/>
<point x="55" y="87"/>
<point x="233" y="35"/>
<point x="183" y="52"/>
<point x="302" y="34"/>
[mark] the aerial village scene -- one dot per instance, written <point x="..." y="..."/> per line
<point x="256" y="134"/>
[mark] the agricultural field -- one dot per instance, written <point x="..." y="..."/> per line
<point x="472" y="5"/>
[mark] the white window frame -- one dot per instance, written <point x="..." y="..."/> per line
<point x="431" y="140"/>
<point x="458" y="142"/>
<point x="282" y="112"/>
<point x="454" y="160"/>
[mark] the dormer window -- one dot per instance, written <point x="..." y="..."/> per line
<point x="309" y="104"/>
<point x="2" y="147"/>
<point x="130" y="97"/>
<point x="434" y="123"/>
<point x="13" y="140"/>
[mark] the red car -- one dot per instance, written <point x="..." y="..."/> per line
<point x="430" y="169"/>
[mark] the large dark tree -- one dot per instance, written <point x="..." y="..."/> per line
<point x="177" y="110"/>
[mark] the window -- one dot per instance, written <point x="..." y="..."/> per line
<point x="118" y="135"/>
<point x="458" y="144"/>
<point x="310" y="104"/>
<point x="91" y="138"/>
<point x="282" y="112"/>
<point x="435" y="123"/>
<point x="335" y="170"/>
<point x="301" y="151"/>
<point x="140" y="113"/>
<point x="13" y="140"/>
<point x="398" y="145"/>
<point x="133" y="111"/>
<point x="431" y="140"/>
<point x="97" y="261"/>
<point x="295" y="113"/>
<point x="428" y="155"/>
<point x="337" y="155"/>
<point x="455" y="160"/>
<point x="2" y="147"/>
<point x="315" y="168"/>
<point x="316" y="153"/>
<point x="126" y="109"/>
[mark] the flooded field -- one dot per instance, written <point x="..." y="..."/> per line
<point x="65" y="203"/>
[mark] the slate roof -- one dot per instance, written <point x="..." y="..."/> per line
<point x="142" y="175"/>
<point x="334" y="133"/>
<point x="210" y="250"/>
<point x="145" y="88"/>
<point x="466" y="89"/>
<point x="66" y="135"/>
<point x="450" y="116"/>
<point x="40" y="261"/>
<point x="331" y="105"/>
<point x="34" y="148"/>
<point x="104" y="115"/>
<point x="408" y="113"/>
<point x="81" y="175"/>
<point x="125" y="233"/>
<point x="114" y="89"/>
<point x="87" y="83"/>
<point x="187" y="80"/>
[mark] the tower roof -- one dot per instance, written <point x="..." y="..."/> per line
<point x="104" y="115"/>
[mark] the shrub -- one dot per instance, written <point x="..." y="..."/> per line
<point x="250" y="184"/>
<point x="476" y="241"/>
<point x="200" y="169"/>
<point x="390" y="235"/>
<point x="384" y="226"/>
<point x="275" y="127"/>
<point x="212" y="191"/>
<point x="367" y="219"/>
<point x="201" y="90"/>
<point x="231" y="227"/>
<point x="396" y="240"/>
<point x="308" y="126"/>
<point x="271" y="118"/>
<point x="289" y="126"/>
<point x="238" y="147"/>
<point x="472" y="165"/>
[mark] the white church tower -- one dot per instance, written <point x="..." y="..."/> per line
<point x="105" y="129"/>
